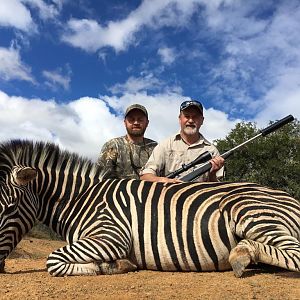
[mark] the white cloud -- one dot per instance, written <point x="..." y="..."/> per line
<point x="84" y="125"/>
<point x="282" y="99"/>
<point x="54" y="79"/>
<point x="16" y="13"/>
<point x="80" y="126"/>
<point x="167" y="55"/>
<point x="89" y="35"/>
<point x="11" y="66"/>
<point x="137" y="84"/>
<point x="13" y="13"/>
<point x="46" y="11"/>
<point x="258" y="53"/>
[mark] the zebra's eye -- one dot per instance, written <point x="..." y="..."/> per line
<point x="10" y="208"/>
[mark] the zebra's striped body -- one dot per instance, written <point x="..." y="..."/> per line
<point x="111" y="226"/>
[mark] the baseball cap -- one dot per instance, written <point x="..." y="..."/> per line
<point x="136" y="106"/>
<point x="189" y="103"/>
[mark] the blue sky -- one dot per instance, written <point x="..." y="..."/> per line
<point x="68" y="69"/>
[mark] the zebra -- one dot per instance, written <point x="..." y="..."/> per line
<point x="114" y="226"/>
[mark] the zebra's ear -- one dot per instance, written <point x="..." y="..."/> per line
<point x="24" y="175"/>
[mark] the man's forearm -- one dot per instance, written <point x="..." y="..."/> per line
<point x="154" y="178"/>
<point x="149" y="177"/>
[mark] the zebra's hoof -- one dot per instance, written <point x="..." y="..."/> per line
<point x="119" y="266"/>
<point x="239" y="259"/>
<point x="126" y="265"/>
<point x="238" y="268"/>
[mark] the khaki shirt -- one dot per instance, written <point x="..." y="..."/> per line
<point x="169" y="156"/>
<point x="120" y="158"/>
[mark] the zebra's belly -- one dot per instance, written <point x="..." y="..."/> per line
<point x="185" y="241"/>
<point x="175" y="258"/>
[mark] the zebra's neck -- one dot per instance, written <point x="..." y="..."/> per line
<point x="60" y="191"/>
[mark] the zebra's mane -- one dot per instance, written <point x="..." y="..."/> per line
<point x="30" y="153"/>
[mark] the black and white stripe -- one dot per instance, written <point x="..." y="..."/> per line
<point x="111" y="226"/>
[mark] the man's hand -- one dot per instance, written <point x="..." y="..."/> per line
<point x="170" y="180"/>
<point x="217" y="163"/>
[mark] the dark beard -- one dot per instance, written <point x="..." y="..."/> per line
<point x="136" y="133"/>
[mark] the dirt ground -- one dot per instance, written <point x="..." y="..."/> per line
<point x="26" y="278"/>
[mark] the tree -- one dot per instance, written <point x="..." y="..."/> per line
<point x="273" y="160"/>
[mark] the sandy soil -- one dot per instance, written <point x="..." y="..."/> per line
<point x="27" y="278"/>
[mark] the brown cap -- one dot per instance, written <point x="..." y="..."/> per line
<point x="136" y="106"/>
<point x="189" y="103"/>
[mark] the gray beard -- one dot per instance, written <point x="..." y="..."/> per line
<point x="190" y="130"/>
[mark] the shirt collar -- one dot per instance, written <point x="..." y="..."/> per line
<point x="201" y="140"/>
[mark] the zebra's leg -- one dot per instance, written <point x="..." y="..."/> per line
<point x="284" y="254"/>
<point x="89" y="256"/>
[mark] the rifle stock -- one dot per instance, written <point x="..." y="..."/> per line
<point x="202" y="158"/>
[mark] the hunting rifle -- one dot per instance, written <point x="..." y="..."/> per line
<point x="202" y="158"/>
<point x="207" y="165"/>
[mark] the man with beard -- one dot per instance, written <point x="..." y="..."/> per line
<point x="182" y="148"/>
<point x="123" y="157"/>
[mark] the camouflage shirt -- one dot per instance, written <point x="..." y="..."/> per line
<point x="120" y="158"/>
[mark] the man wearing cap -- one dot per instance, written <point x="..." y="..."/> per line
<point x="183" y="148"/>
<point x="123" y="157"/>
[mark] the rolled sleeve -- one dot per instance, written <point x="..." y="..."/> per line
<point x="155" y="163"/>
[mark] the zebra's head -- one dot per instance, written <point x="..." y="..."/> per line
<point x="15" y="219"/>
